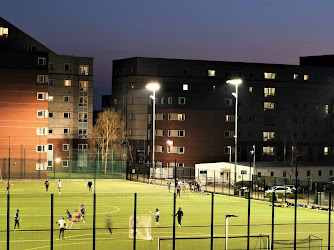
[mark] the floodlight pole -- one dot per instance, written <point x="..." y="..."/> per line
<point x="226" y="227"/>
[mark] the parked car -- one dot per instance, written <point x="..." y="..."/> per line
<point x="292" y="187"/>
<point x="279" y="190"/>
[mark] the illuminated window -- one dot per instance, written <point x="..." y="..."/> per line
<point x="269" y="92"/>
<point x="229" y="118"/>
<point x="3" y="32"/>
<point x="269" y="106"/>
<point x="41" y="61"/>
<point x="68" y="83"/>
<point x="306" y="77"/>
<point x="211" y="72"/>
<point x="83" y="70"/>
<point x="83" y="85"/>
<point x="181" y="117"/>
<point x="67" y="66"/>
<point x="326" y="108"/>
<point x="269" y="75"/>
<point x="83" y="101"/>
<point x="268" y="136"/>
<point x="268" y="150"/>
<point x="326" y="150"/>
<point x="250" y="89"/>
<point x="185" y="86"/>
<point x="162" y="100"/>
<point x="295" y="76"/>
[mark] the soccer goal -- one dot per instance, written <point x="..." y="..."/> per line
<point x="236" y="242"/>
<point x="143" y="227"/>
<point x="312" y="242"/>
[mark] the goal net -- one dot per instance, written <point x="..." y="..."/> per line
<point x="312" y="242"/>
<point x="236" y="242"/>
<point x="143" y="227"/>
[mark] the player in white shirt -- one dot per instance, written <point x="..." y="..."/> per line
<point x="59" y="186"/>
<point x="62" y="225"/>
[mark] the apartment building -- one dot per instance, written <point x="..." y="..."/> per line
<point x="286" y="111"/>
<point x="46" y="107"/>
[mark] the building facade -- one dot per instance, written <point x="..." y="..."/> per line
<point x="46" y="106"/>
<point x="286" y="111"/>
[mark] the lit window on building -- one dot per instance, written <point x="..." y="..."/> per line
<point x="269" y="92"/>
<point x="269" y="106"/>
<point x="268" y="150"/>
<point x="83" y="70"/>
<point x="68" y="83"/>
<point x="306" y="77"/>
<point x="181" y="117"/>
<point x="326" y="108"/>
<point x="3" y="32"/>
<point x="211" y="72"/>
<point x="83" y="85"/>
<point x="250" y="89"/>
<point x="268" y="136"/>
<point x="229" y="118"/>
<point x="269" y="75"/>
<point x="185" y="87"/>
<point x="326" y="151"/>
<point x="295" y="76"/>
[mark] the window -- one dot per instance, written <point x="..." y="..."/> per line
<point x="269" y="92"/>
<point x="67" y="99"/>
<point x="162" y="100"/>
<point x="50" y="147"/>
<point x="66" y="131"/>
<point x="306" y="77"/>
<point x="181" y="117"/>
<point x="40" y="148"/>
<point x="227" y="73"/>
<point x="83" y="85"/>
<point x="51" y="99"/>
<point x="68" y="83"/>
<point x="51" y="82"/>
<point x="41" y="131"/>
<point x="269" y="75"/>
<point x="170" y="100"/>
<point x="32" y="48"/>
<point x="239" y="74"/>
<point x="181" y="133"/>
<point x="83" y="70"/>
<point x="228" y="134"/>
<point x="229" y="118"/>
<point x="50" y="114"/>
<point x="330" y="172"/>
<point x="41" y="78"/>
<point x="269" y="106"/>
<point x="268" y="150"/>
<point x="319" y="172"/>
<point x="211" y="72"/>
<point x="180" y="150"/>
<point x="308" y="173"/>
<point x="284" y="174"/>
<point x="65" y="163"/>
<point x="66" y="147"/>
<point x="83" y="101"/>
<point x="271" y="173"/>
<point x="83" y="117"/>
<point x="159" y="117"/>
<point x="326" y="151"/>
<point x="185" y="86"/>
<point x="251" y="75"/>
<point x="187" y="72"/>
<point x="182" y="100"/>
<point x="41" y="61"/>
<point x="269" y="121"/>
<point x="42" y="113"/>
<point x="50" y="131"/>
<point x="67" y="115"/>
<point x="268" y="136"/>
<point x="67" y="66"/>
<point x="51" y="66"/>
<point x="82" y="133"/>
<point x="326" y="108"/>
<point x="250" y="89"/>
<point x="41" y="95"/>
<point x="212" y="87"/>
<point x="227" y="150"/>
<point x="82" y="147"/>
<point x="228" y="102"/>
<point x="159" y="132"/>
<point x="295" y="76"/>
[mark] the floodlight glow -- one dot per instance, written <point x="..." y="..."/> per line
<point x="234" y="81"/>
<point x="57" y="159"/>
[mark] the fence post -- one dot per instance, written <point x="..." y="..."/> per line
<point x="135" y="222"/>
<point x="54" y="164"/>
<point x="214" y="181"/>
<point x="51" y="236"/>
<point x="94" y="219"/>
<point x="248" y="218"/>
<point x="264" y="189"/>
<point x="229" y="184"/>
<point x="174" y="212"/>
<point x="69" y="164"/>
<point x="24" y="165"/>
<point x="8" y="215"/>
<point x="329" y="220"/>
<point x="212" y="210"/>
<point x="272" y="219"/>
<point x="206" y="181"/>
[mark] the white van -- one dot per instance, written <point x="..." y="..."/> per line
<point x="279" y="190"/>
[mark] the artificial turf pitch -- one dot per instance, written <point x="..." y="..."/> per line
<point x="117" y="199"/>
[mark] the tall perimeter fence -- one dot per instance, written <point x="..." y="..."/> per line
<point x="298" y="217"/>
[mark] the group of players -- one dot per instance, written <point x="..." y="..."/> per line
<point x="194" y="185"/>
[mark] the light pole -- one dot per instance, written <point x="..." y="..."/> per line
<point x="230" y="153"/>
<point x="153" y="87"/>
<point x="235" y="82"/>
<point x="226" y="227"/>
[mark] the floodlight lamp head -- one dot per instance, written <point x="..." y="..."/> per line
<point x="153" y="86"/>
<point x="234" y="81"/>
<point x="231" y="215"/>
<point x="152" y="97"/>
<point x="235" y="95"/>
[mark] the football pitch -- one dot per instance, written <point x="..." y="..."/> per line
<point x="116" y="198"/>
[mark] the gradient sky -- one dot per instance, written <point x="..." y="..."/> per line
<point x="234" y="30"/>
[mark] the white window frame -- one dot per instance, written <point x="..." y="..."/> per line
<point x="41" y="131"/>
<point x="179" y="150"/>
<point x="182" y="100"/>
<point x="83" y="86"/>
<point x="68" y="98"/>
<point x="69" y="66"/>
<point x="41" y="78"/>
<point x="43" y="96"/>
<point x="83" y="71"/>
<point x="162" y="100"/>
<point x="66" y="147"/>
<point x="66" y="165"/>
<point x="68" y="115"/>
<point x="44" y="113"/>
<point x="42" y="59"/>
<point x="170" y="100"/>
<point x="181" y="117"/>
<point x="68" y="131"/>
<point x="82" y="147"/>
<point x="179" y="132"/>
<point x="229" y="118"/>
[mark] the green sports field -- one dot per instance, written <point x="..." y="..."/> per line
<point x="116" y="198"/>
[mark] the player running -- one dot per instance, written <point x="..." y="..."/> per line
<point x="46" y="183"/>
<point x="69" y="217"/>
<point x="82" y="211"/>
<point x="179" y="216"/>
<point x="75" y="219"/>
<point x="17" y="219"/>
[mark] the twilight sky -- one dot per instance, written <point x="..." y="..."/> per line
<point x="226" y="30"/>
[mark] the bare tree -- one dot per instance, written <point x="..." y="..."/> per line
<point x="108" y="133"/>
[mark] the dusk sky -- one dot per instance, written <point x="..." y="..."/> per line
<point x="250" y="31"/>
